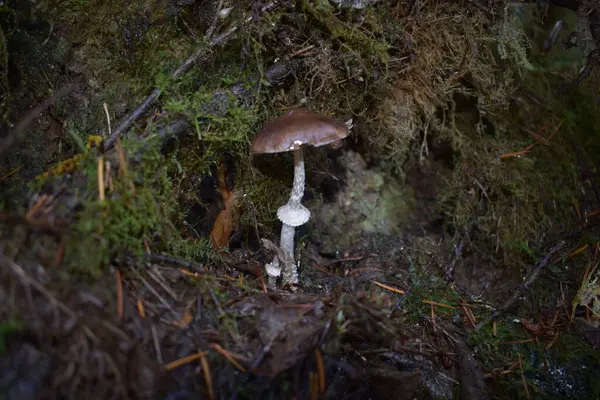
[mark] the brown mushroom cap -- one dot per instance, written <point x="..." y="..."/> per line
<point x="296" y="128"/>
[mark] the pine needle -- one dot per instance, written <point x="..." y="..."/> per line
<point x="119" y="293"/>
<point x="435" y="303"/>
<point x="185" y="360"/>
<point x="523" y="376"/>
<point x="14" y="171"/>
<point x="140" y="307"/>
<point x="390" y="288"/>
<point x="320" y="370"/>
<point x="228" y="355"/>
<point x="101" y="177"/>
<point x="207" y="375"/>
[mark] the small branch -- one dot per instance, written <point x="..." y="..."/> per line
<point x="213" y="25"/>
<point x="533" y="275"/>
<point x="156" y="294"/>
<point x="593" y="60"/>
<point x="177" y="261"/>
<point x="192" y="60"/>
<point x="242" y="90"/>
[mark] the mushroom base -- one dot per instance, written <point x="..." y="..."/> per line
<point x="290" y="270"/>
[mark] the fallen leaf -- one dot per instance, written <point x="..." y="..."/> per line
<point x="223" y="226"/>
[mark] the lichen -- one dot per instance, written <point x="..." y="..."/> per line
<point x="512" y="40"/>
<point x="370" y="202"/>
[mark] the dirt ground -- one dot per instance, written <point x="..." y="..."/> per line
<point x="453" y="246"/>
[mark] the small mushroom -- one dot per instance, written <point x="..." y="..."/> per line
<point x="292" y="132"/>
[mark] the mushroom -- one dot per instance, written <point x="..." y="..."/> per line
<point x="292" y="132"/>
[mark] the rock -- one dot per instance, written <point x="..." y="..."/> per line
<point x="368" y="202"/>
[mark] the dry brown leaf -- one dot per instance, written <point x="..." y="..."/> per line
<point x="223" y="226"/>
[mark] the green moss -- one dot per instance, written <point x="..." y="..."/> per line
<point x="140" y="212"/>
<point x="366" y="42"/>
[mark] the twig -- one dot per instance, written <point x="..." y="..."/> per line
<point x="216" y="301"/>
<point x="195" y="58"/>
<point x="213" y="25"/>
<point x="523" y="376"/>
<point x="15" y="134"/>
<point x="449" y="269"/>
<point x="155" y="293"/>
<point x="178" y="261"/>
<point x="158" y="278"/>
<point x="156" y="343"/>
<point x="265" y="350"/>
<point x="533" y="275"/>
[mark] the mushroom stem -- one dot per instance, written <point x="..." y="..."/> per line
<point x="299" y="177"/>
<point x="289" y="273"/>
<point x="286" y="243"/>
<point x="273" y="271"/>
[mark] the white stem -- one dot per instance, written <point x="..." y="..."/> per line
<point x="289" y="273"/>
<point x="290" y="269"/>
<point x="272" y="282"/>
<point x="299" y="177"/>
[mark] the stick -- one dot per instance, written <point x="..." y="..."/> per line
<point x="174" y="260"/>
<point x="192" y="60"/>
<point x="533" y="275"/>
